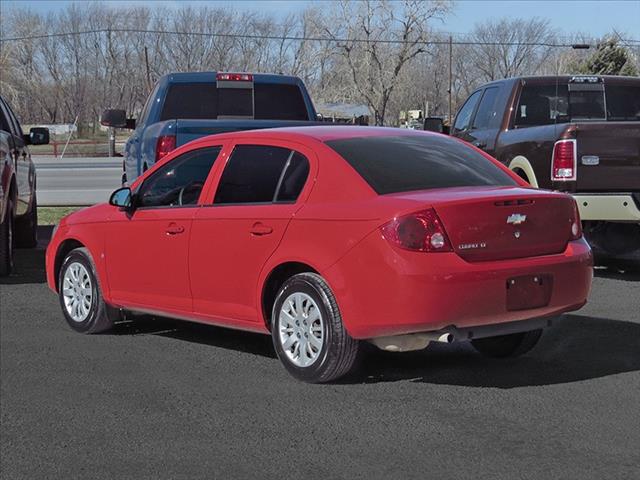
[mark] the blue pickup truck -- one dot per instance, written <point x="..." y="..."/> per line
<point x="186" y="106"/>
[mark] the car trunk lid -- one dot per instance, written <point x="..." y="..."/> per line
<point x="486" y="224"/>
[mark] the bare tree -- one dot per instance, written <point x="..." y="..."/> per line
<point x="377" y="40"/>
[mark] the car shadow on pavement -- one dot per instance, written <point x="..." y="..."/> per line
<point x="211" y="335"/>
<point x="576" y="348"/>
<point x="29" y="262"/>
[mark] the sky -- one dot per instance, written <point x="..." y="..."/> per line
<point x="591" y="17"/>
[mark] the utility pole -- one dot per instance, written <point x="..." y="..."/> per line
<point x="450" y="80"/>
<point x="146" y="62"/>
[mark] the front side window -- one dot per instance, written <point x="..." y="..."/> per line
<point x="464" y="115"/>
<point x="393" y="164"/>
<point x="487" y="113"/>
<point x="180" y="181"/>
<point x="262" y="174"/>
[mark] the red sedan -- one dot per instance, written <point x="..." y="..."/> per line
<point x="327" y="237"/>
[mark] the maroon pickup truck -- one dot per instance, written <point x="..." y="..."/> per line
<point x="578" y="134"/>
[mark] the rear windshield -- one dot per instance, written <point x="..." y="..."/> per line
<point x="551" y="103"/>
<point x="403" y="163"/>
<point x="206" y="101"/>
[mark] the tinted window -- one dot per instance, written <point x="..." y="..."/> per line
<point x="464" y="115"/>
<point x="235" y="102"/>
<point x="542" y="105"/>
<point x="191" y="100"/>
<point x="587" y="104"/>
<point x="487" y="114"/>
<point x="279" y="102"/>
<point x="180" y="181"/>
<point x="207" y="101"/>
<point x="147" y="105"/>
<point x="252" y="174"/>
<point x="405" y="163"/>
<point x="623" y="102"/>
<point x="294" y="178"/>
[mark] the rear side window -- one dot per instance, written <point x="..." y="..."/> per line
<point x="279" y="102"/>
<point x="191" y="100"/>
<point x="262" y="174"/>
<point x="405" y="163"/>
<point x="542" y="105"/>
<point x="487" y="116"/>
<point x="463" y="119"/>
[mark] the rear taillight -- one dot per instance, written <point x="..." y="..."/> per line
<point x="576" y="225"/>
<point x="235" y="77"/>
<point x="166" y="144"/>
<point x="563" y="161"/>
<point x="421" y="232"/>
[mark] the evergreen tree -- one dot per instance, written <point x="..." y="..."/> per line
<point x="608" y="59"/>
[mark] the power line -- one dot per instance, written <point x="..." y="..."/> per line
<point x="290" y="38"/>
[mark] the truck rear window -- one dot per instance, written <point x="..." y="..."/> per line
<point x="392" y="164"/>
<point x="205" y="101"/>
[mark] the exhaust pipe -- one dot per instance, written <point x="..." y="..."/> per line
<point x="410" y="342"/>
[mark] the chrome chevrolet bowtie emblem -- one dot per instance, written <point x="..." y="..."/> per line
<point x="516" y="218"/>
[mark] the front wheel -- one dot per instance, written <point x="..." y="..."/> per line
<point x="307" y="330"/>
<point x="503" y="346"/>
<point x="80" y="295"/>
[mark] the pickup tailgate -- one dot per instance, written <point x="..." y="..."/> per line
<point x="608" y="156"/>
<point x="187" y="130"/>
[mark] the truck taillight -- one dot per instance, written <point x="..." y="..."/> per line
<point x="166" y="144"/>
<point x="235" y="77"/>
<point x="576" y="225"/>
<point x="563" y="161"/>
<point x="421" y="232"/>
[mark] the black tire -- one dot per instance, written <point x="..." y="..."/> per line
<point x="27" y="227"/>
<point x="101" y="316"/>
<point x="339" y="351"/>
<point x="6" y="241"/>
<point x="503" y="346"/>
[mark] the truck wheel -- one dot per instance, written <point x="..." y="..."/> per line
<point x="307" y="330"/>
<point x="81" y="296"/>
<point x="503" y="346"/>
<point x="6" y="242"/>
<point x="27" y="227"/>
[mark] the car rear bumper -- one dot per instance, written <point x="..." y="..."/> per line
<point x="409" y="292"/>
<point x="612" y="207"/>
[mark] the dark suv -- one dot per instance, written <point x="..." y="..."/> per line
<point x="18" y="206"/>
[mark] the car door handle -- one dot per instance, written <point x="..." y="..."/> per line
<point x="479" y="144"/>
<point x="261" y="229"/>
<point x="174" y="229"/>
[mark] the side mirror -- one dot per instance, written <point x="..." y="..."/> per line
<point x="37" y="136"/>
<point x="114" y="118"/>
<point x="121" y="198"/>
<point x="434" y="124"/>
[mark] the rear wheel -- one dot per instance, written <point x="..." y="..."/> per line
<point x="27" y="227"/>
<point x="512" y="345"/>
<point x="6" y="241"/>
<point x="80" y="295"/>
<point x="307" y="330"/>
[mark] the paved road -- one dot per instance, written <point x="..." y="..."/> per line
<point x="164" y="399"/>
<point x="76" y="181"/>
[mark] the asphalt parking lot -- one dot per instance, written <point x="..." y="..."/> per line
<point x="163" y="399"/>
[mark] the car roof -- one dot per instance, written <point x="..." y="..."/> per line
<point x="207" y="77"/>
<point x="319" y="133"/>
